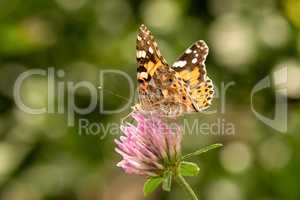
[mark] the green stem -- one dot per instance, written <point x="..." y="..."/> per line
<point x="182" y="182"/>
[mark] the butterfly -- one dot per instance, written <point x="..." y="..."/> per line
<point x="183" y="87"/>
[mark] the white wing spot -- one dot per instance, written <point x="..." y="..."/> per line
<point x="151" y="50"/>
<point x="141" y="54"/>
<point x="188" y="51"/>
<point x="143" y="75"/>
<point x="139" y="38"/>
<point x="196" y="55"/>
<point x="180" y="63"/>
<point x="194" y="61"/>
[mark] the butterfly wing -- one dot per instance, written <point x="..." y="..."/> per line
<point x="152" y="69"/>
<point x="184" y="87"/>
<point x="157" y="83"/>
<point x="148" y="55"/>
<point x="190" y="70"/>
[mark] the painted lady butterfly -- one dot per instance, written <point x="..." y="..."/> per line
<point x="173" y="90"/>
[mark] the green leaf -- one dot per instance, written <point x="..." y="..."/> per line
<point x="202" y="150"/>
<point x="151" y="184"/>
<point x="188" y="169"/>
<point x="167" y="183"/>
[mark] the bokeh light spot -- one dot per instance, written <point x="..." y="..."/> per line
<point x="236" y="157"/>
<point x="274" y="31"/>
<point x="225" y="189"/>
<point x="113" y="15"/>
<point x="274" y="154"/>
<point x="161" y="14"/>
<point x="233" y="42"/>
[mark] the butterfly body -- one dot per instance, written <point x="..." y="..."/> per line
<point x="171" y="90"/>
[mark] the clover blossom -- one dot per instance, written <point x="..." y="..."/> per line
<point x="152" y="148"/>
<point x="149" y="147"/>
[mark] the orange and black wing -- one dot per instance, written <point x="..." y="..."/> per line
<point x="191" y="72"/>
<point x="151" y="68"/>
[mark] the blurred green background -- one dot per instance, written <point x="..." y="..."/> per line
<point x="42" y="158"/>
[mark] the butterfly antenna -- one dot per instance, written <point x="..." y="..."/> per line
<point x="112" y="93"/>
<point x="120" y="96"/>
